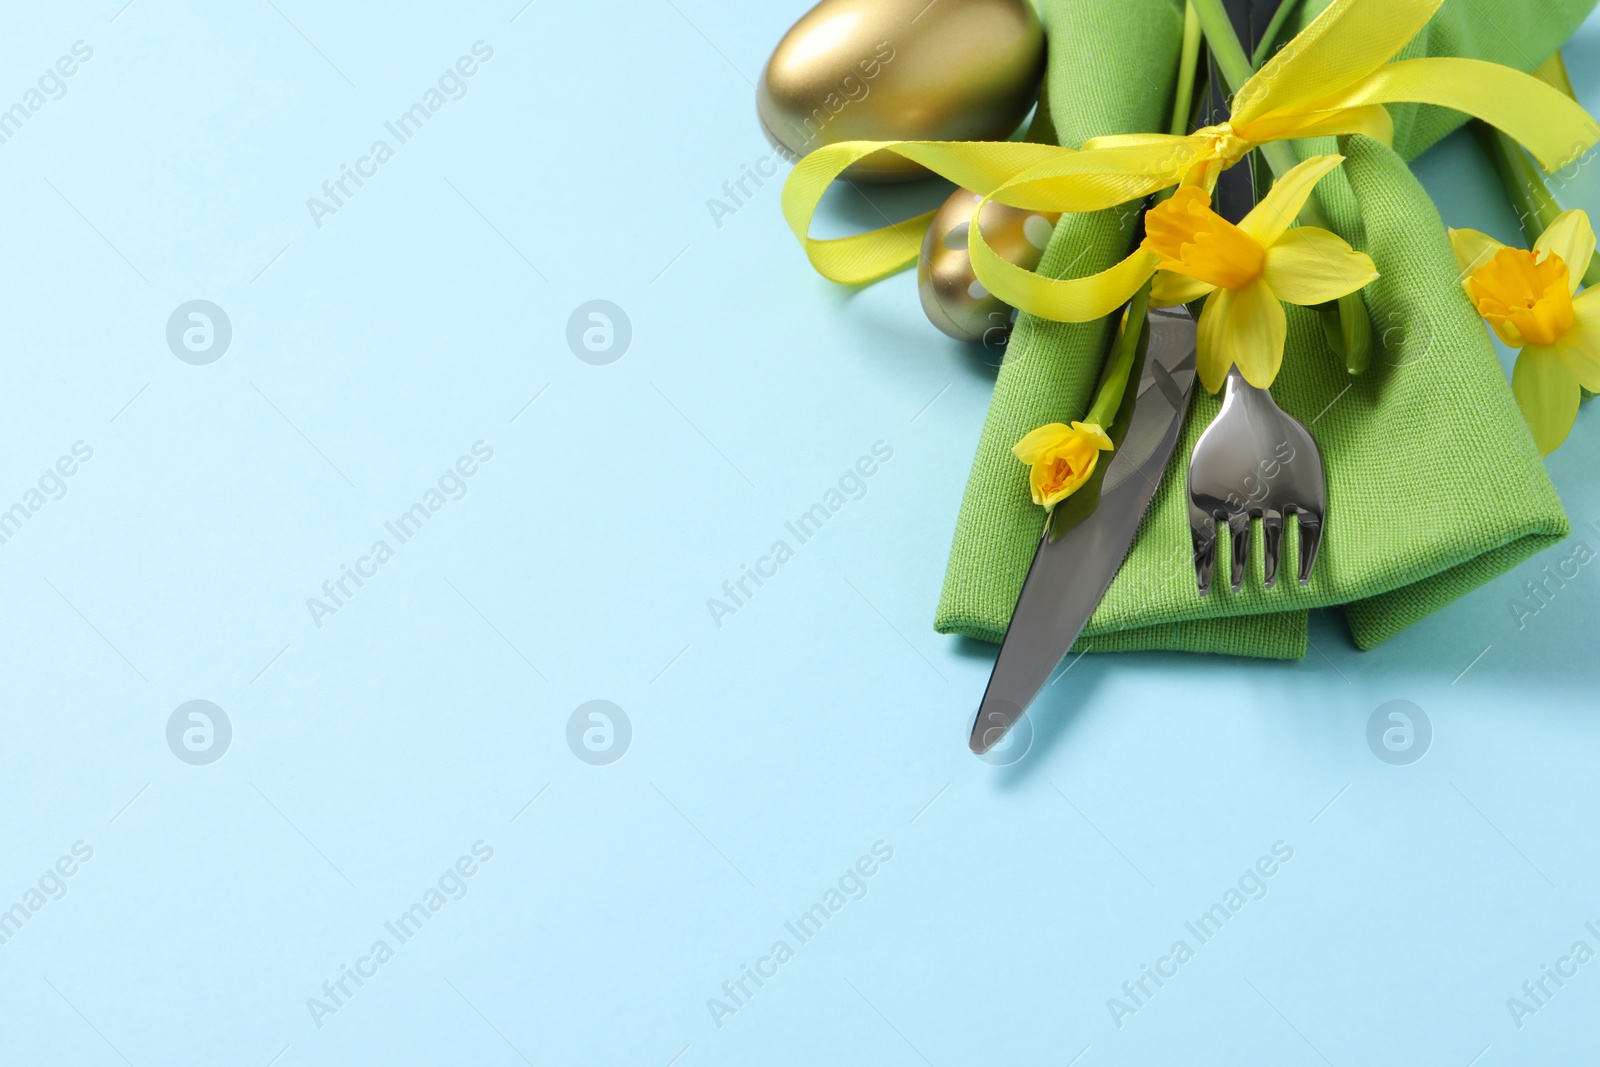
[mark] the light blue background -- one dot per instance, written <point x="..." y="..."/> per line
<point x="767" y="755"/>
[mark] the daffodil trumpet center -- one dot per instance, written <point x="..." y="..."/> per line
<point x="1527" y="290"/>
<point x="1061" y="471"/>
<point x="1193" y="240"/>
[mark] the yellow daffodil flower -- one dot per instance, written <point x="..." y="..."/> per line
<point x="1247" y="269"/>
<point x="1062" y="458"/>
<point x="1528" y="298"/>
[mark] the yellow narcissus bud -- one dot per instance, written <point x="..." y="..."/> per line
<point x="1062" y="458"/>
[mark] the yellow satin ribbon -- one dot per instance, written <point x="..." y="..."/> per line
<point x="1333" y="78"/>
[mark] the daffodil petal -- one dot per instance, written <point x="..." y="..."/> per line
<point x="1277" y="211"/>
<point x="1508" y="334"/>
<point x="1473" y="249"/>
<point x="1547" y="392"/>
<point x="1171" y="289"/>
<point x="1254" y="333"/>
<point x="1039" y="441"/>
<point x="1036" y="487"/>
<point x="1570" y="236"/>
<point x="1580" y="346"/>
<point x="1211" y="356"/>
<point x="1061" y="459"/>
<point x="1308" y="266"/>
<point x="1096" y="433"/>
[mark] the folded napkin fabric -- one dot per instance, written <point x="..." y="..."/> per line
<point x="1434" y="483"/>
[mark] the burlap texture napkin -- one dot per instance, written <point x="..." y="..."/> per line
<point x="1434" y="484"/>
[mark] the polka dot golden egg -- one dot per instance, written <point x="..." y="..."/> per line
<point x="953" y="297"/>
<point x="880" y="70"/>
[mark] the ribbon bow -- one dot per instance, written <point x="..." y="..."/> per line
<point x="1333" y="78"/>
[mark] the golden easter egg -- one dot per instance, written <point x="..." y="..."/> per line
<point x="908" y="70"/>
<point x="953" y="298"/>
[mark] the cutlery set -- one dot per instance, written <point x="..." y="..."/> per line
<point x="1254" y="461"/>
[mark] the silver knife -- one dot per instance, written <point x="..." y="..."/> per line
<point x="1069" y="576"/>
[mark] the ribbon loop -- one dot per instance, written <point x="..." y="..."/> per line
<point x="1335" y="77"/>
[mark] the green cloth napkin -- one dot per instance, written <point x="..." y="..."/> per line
<point x="1434" y="483"/>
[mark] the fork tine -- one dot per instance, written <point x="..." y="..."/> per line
<point x="1272" y="531"/>
<point x="1239" y="527"/>
<point x="1203" y="532"/>
<point x="1310" y="541"/>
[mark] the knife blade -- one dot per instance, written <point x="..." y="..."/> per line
<point x="1069" y="576"/>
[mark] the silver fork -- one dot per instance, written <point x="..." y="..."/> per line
<point x="1254" y="461"/>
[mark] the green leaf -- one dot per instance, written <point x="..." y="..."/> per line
<point x="1348" y="328"/>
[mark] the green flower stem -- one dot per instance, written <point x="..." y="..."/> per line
<point x="1530" y="196"/>
<point x="1353" y="336"/>
<point x="1534" y="211"/>
<point x="1274" y="30"/>
<point x="1115" y="382"/>
<point x="1188" y="63"/>
<point x="1236" y="70"/>
<point x="1554" y="71"/>
<point x="1225" y="46"/>
<point x="1110" y="399"/>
